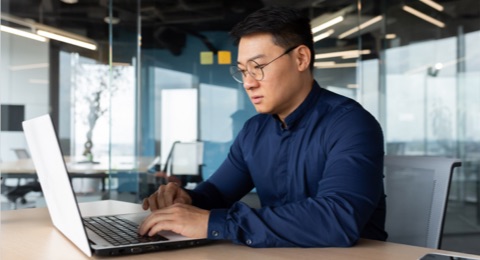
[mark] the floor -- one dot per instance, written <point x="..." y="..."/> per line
<point x="461" y="234"/>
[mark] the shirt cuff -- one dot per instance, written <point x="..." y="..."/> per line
<point x="217" y="222"/>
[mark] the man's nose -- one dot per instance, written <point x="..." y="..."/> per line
<point x="249" y="82"/>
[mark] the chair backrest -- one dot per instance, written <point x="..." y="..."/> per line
<point x="186" y="158"/>
<point x="21" y="153"/>
<point x="417" y="193"/>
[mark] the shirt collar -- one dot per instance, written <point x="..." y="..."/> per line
<point x="295" y="117"/>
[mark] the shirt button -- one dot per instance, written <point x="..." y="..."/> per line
<point x="248" y="242"/>
<point x="215" y="233"/>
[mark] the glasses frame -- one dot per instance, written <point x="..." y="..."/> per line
<point x="235" y="70"/>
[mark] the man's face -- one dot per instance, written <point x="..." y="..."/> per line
<point x="277" y="92"/>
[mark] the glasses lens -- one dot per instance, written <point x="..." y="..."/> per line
<point x="236" y="74"/>
<point x="255" y="70"/>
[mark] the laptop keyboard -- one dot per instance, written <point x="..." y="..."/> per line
<point x="118" y="231"/>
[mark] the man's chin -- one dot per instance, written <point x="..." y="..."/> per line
<point x="261" y="109"/>
<point x="263" y="112"/>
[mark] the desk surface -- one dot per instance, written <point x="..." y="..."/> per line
<point x="29" y="234"/>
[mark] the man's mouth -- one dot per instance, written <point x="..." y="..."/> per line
<point x="256" y="99"/>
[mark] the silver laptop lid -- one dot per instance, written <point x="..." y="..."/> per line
<point x="56" y="186"/>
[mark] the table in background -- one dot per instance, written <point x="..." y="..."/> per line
<point x="24" y="168"/>
<point x="29" y="234"/>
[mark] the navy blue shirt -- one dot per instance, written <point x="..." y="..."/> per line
<point x="319" y="179"/>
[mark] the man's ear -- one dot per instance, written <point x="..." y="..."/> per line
<point x="303" y="58"/>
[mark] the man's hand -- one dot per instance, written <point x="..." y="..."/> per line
<point x="165" y="196"/>
<point x="171" y="178"/>
<point x="180" y="218"/>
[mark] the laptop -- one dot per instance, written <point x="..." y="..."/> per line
<point x="88" y="234"/>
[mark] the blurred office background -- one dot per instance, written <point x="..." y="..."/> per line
<point x="142" y="74"/>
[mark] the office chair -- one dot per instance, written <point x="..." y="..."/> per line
<point x="19" y="191"/>
<point x="21" y="153"/>
<point x="417" y="192"/>
<point x="185" y="162"/>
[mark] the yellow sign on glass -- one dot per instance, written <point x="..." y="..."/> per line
<point x="206" y="57"/>
<point x="224" y="57"/>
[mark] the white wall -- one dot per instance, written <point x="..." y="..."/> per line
<point x="23" y="81"/>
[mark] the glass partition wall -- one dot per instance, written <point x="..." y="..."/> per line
<point x="430" y="77"/>
<point x="79" y="63"/>
<point x="160" y="75"/>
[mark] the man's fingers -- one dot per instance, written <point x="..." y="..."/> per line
<point x="148" y="203"/>
<point x="170" y="193"/>
<point x="161" y="226"/>
<point x="153" y="201"/>
<point x="154" y="222"/>
<point x="160" y="197"/>
<point x="182" y="219"/>
<point x="165" y="196"/>
<point x="180" y="200"/>
<point x="145" y="204"/>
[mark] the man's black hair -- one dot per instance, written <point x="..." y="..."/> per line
<point x="287" y="26"/>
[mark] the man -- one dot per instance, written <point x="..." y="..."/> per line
<point x="314" y="157"/>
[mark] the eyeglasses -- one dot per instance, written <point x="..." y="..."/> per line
<point x="254" y="69"/>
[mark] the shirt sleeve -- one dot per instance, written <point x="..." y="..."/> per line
<point x="228" y="184"/>
<point x="347" y="196"/>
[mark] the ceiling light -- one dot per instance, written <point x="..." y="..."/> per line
<point x="361" y="27"/>
<point x="70" y="1"/>
<point x="112" y="17"/>
<point x="438" y="66"/>
<point x="22" y="33"/>
<point x="433" y="5"/>
<point x="323" y="35"/>
<point x="324" y="21"/>
<point x="335" y="65"/>
<point x="323" y="63"/>
<point x="390" y="36"/>
<point x="29" y="66"/>
<point x="327" y="24"/>
<point x="423" y="16"/>
<point x="44" y="31"/>
<point x="38" y="81"/>
<point x="112" y="20"/>
<point x="66" y="39"/>
<point x="351" y="56"/>
<point x="341" y="54"/>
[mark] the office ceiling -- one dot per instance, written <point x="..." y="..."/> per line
<point x="166" y="22"/>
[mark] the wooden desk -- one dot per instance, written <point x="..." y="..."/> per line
<point x="29" y="234"/>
